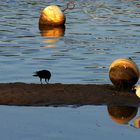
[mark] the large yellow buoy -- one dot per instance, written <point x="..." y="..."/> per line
<point x="124" y="73"/>
<point x="122" y="114"/>
<point x="52" y="16"/>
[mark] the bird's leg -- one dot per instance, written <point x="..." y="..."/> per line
<point x="46" y="80"/>
<point x="40" y="80"/>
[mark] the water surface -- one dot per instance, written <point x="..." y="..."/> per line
<point x="52" y="123"/>
<point x="96" y="33"/>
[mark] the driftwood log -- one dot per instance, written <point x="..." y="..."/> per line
<point x="23" y="94"/>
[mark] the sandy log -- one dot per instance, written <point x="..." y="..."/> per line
<point x="64" y="94"/>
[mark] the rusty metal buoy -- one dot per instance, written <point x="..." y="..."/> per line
<point x="124" y="73"/>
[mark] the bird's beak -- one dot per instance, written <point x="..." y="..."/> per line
<point x="34" y="74"/>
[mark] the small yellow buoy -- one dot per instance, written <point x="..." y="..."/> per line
<point x="124" y="73"/>
<point x="52" y="16"/>
<point x="137" y="122"/>
<point x="122" y="114"/>
<point x="137" y="88"/>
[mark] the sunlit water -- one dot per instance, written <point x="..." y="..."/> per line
<point x="96" y="33"/>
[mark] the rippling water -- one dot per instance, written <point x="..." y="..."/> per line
<point x="96" y="33"/>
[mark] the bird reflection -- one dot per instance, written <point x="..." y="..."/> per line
<point x="43" y="74"/>
<point x="122" y="114"/>
<point x="51" y="34"/>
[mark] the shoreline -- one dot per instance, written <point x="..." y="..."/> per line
<point x="57" y="94"/>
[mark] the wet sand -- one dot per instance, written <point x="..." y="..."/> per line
<point x="22" y="94"/>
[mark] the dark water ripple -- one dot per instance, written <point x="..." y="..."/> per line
<point x="96" y="33"/>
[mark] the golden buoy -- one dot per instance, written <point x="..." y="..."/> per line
<point x="124" y="73"/>
<point x="122" y="114"/>
<point x="52" y="16"/>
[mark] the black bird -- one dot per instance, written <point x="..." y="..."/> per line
<point x="43" y="74"/>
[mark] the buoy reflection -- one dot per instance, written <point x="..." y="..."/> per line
<point x="51" y="34"/>
<point x="122" y="114"/>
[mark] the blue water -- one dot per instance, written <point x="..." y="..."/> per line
<point x="87" y="122"/>
<point x="97" y="32"/>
